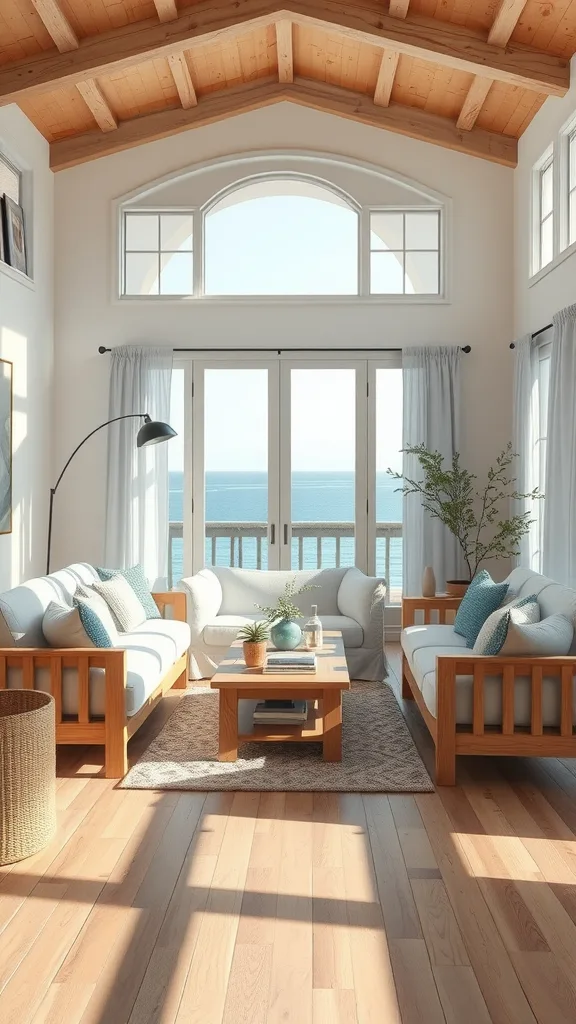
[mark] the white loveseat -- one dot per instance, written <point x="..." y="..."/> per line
<point x="475" y="704"/>
<point x="221" y="600"/>
<point x="102" y="694"/>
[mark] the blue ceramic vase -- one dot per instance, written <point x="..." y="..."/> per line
<point x="286" y="635"/>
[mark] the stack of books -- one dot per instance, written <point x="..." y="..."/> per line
<point x="281" y="712"/>
<point x="290" y="661"/>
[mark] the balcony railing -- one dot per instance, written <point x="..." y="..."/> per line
<point x="314" y="546"/>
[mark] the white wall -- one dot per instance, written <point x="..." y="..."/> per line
<point x="26" y="338"/>
<point x="537" y="301"/>
<point x="480" y="312"/>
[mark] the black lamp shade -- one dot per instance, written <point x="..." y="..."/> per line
<point x="153" y="432"/>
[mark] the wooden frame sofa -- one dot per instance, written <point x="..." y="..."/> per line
<point x="115" y="727"/>
<point x="545" y="680"/>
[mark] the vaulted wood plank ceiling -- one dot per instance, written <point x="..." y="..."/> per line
<point x="103" y="76"/>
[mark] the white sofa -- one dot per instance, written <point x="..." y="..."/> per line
<point x="89" y="682"/>
<point x="441" y="673"/>
<point x="221" y="600"/>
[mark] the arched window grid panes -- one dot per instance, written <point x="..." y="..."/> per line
<point x="286" y="237"/>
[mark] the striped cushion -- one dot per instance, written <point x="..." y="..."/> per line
<point x="136" y="577"/>
<point x="481" y="599"/>
<point x="494" y="633"/>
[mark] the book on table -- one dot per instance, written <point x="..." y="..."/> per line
<point x="291" y="661"/>
<point x="281" y="712"/>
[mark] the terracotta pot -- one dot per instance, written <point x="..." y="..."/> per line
<point x="254" y="654"/>
<point x="457" y="588"/>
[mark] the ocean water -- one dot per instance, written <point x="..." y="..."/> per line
<point x="236" y="497"/>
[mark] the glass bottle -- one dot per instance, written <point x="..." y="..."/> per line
<point x="313" y="638"/>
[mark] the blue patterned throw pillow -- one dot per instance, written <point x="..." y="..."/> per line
<point x="97" y="622"/>
<point x="494" y="633"/>
<point x="481" y="599"/>
<point x="136" y="578"/>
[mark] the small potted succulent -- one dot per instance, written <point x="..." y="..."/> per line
<point x="285" y="632"/>
<point x="255" y="636"/>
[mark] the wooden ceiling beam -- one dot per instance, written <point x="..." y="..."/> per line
<point x="97" y="103"/>
<point x="57" y="25"/>
<point x="398" y="8"/>
<point x="386" y="76"/>
<point x="166" y="9"/>
<point x="362" y="20"/>
<point x="284" y="49"/>
<point x="504" y="24"/>
<point x="418" y="124"/>
<point x="183" y="79"/>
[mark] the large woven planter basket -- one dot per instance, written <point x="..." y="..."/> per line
<point x="27" y="773"/>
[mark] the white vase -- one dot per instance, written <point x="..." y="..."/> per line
<point x="428" y="582"/>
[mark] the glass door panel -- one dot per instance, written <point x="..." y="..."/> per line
<point x="239" y="492"/>
<point x="388" y="504"/>
<point x="320" y="530"/>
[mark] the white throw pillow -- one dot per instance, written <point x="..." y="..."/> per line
<point x="127" y="611"/>
<point x="493" y="636"/>
<point x="64" y="626"/>
<point x="549" y="638"/>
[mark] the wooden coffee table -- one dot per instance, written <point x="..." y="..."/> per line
<point x="240" y="688"/>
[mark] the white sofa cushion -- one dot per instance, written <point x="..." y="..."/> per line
<point x="22" y="608"/>
<point x="414" y="637"/>
<point x="127" y="610"/>
<point x="552" y="597"/>
<point x="244" y="589"/>
<point x="496" y="635"/>
<point x="64" y="626"/>
<point x="223" y="630"/>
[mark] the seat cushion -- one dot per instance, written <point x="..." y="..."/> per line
<point x="222" y="630"/>
<point x="414" y="637"/>
<point x="243" y="589"/>
<point x="352" y="632"/>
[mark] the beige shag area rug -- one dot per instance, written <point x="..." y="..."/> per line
<point x="378" y="752"/>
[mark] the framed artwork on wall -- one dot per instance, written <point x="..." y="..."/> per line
<point x="14" y="237"/>
<point x="5" y="446"/>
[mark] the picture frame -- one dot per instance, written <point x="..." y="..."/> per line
<point x="14" y="235"/>
<point x="6" y="407"/>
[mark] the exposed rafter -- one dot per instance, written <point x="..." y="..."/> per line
<point x="183" y="79"/>
<point x="438" y="42"/>
<point x="253" y="95"/>
<point x="386" y="75"/>
<point x="166" y="9"/>
<point x="57" y="24"/>
<point x="399" y="8"/>
<point x="96" y="101"/>
<point x="504" y="24"/>
<point x="284" y="48"/>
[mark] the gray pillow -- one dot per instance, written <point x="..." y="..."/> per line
<point x="551" y="637"/>
<point x="491" y="639"/>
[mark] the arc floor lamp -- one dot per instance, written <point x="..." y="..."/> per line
<point x="151" y="432"/>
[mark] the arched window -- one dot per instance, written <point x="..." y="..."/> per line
<point x="281" y="236"/>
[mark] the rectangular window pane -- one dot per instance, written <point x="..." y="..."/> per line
<point x="572" y="157"/>
<point x="176" y="232"/>
<point x="141" y="273"/>
<point x="422" y="273"/>
<point x="387" y="231"/>
<point x="422" y="230"/>
<point x="176" y="273"/>
<point x="546" y="191"/>
<point x="572" y="215"/>
<point x="386" y="273"/>
<point x="388" y="499"/>
<point x="9" y="181"/>
<point x="546" y="241"/>
<point x="142" y="231"/>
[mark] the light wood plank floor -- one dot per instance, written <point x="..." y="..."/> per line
<point x="457" y="907"/>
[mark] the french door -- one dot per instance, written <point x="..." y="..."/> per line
<point x="286" y="464"/>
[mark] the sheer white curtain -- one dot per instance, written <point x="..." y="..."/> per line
<point x="526" y="436"/>
<point x="137" y="496"/>
<point x="559" y="561"/>
<point x="431" y="386"/>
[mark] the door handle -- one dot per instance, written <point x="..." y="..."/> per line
<point x="273" y="533"/>
<point x="285" y="533"/>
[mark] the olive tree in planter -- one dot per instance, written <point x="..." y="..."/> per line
<point x="476" y="516"/>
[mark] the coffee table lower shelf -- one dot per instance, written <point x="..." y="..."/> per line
<point x="251" y="732"/>
<point x="323" y="725"/>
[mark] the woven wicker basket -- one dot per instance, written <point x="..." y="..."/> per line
<point x="27" y="773"/>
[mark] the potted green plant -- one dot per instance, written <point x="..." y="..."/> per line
<point x="476" y="517"/>
<point x="255" y="639"/>
<point x="285" y="632"/>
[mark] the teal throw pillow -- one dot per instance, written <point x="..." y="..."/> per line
<point x="481" y="599"/>
<point x="135" y="576"/>
<point x="100" y="631"/>
<point x="495" y="631"/>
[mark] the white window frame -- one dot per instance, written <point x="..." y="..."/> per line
<point x="156" y="212"/>
<point x="16" y="170"/>
<point x="546" y="161"/>
<point x="567" y="140"/>
<point x="198" y="248"/>
<point x="25" y="201"/>
<point x="406" y="296"/>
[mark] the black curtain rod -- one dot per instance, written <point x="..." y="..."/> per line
<point x="102" y="349"/>
<point x="535" y="333"/>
